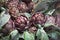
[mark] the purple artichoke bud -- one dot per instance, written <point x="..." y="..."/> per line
<point x="30" y="6"/>
<point x="50" y="19"/>
<point x="14" y="12"/>
<point x="38" y="18"/>
<point x="8" y="27"/>
<point x="21" y="22"/>
<point x="22" y="7"/>
<point x="58" y="20"/>
<point x="12" y="3"/>
<point x="32" y="29"/>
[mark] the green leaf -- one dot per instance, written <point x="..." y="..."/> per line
<point x="14" y="35"/>
<point x="27" y="15"/>
<point x="5" y="38"/>
<point x="47" y="24"/>
<point x="28" y="36"/>
<point x="54" y="35"/>
<point x="4" y="19"/>
<point x="3" y="1"/>
<point x="41" y="35"/>
<point x="39" y="26"/>
<point x="35" y="1"/>
<point x="38" y="34"/>
<point x="2" y="11"/>
<point x="51" y="12"/>
<point x="40" y="6"/>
